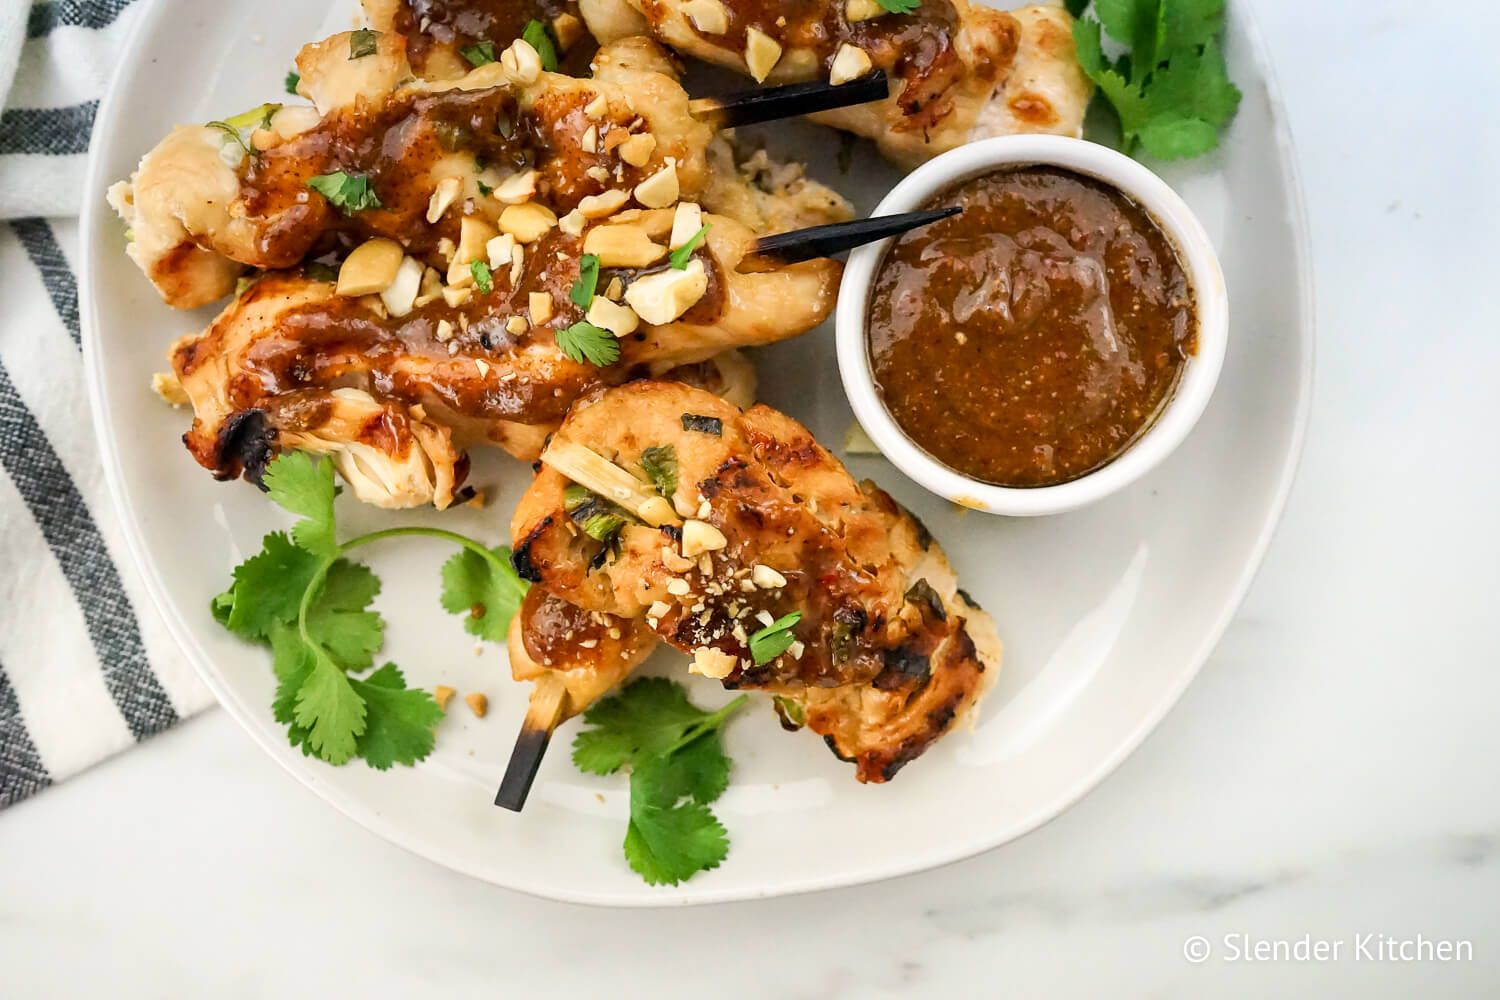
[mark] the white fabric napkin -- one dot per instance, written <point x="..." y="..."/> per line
<point x="86" y="667"/>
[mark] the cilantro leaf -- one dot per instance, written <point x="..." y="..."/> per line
<point x="775" y="639"/>
<point x="267" y="588"/>
<point x="683" y="254"/>
<point x="899" y="6"/>
<point x="338" y="619"/>
<point x="484" y="280"/>
<point x="585" y="342"/>
<point x="301" y="484"/>
<point x="698" y="770"/>
<point x="349" y="193"/>
<point x="646" y="718"/>
<point x="363" y="42"/>
<point x="292" y="79"/>
<point x="582" y="292"/>
<point x="665" y="845"/>
<point x="1171" y="90"/>
<point x="660" y="465"/>
<point x="399" y="721"/>
<point x="538" y="37"/>
<point x="487" y="593"/>
<point x="329" y="709"/>
<point x="478" y="54"/>
<point x="678" y="767"/>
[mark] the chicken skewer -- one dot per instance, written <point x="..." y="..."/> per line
<point x="959" y="71"/>
<point x="777" y="572"/>
<point x="397" y="391"/>
<point x="410" y="162"/>
<point x="397" y="388"/>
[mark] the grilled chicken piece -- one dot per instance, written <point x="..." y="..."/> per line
<point x="959" y="71"/>
<point x="421" y="147"/>
<point x="397" y="399"/>
<point x="888" y="653"/>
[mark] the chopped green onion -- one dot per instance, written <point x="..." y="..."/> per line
<point x="684" y="253"/>
<point x="363" y="42"/>
<point x="538" y="37"/>
<point x="582" y="292"/>
<point x="478" y="54"/>
<point x="660" y="465"/>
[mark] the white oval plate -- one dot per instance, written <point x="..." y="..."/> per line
<point x="1107" y="613"/>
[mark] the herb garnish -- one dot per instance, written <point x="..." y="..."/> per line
<point x="660" y="465"/>
<point x="538" y="37"/>
<point x="484" y="280"/>
<point x="582" y="292"/>
<point x="702" y="424"/>
<point x="311" y="605"/>
<point x="677" y="768"/>
<point x="684" y="253"/>
<point x="478" y="54"/>
<point x="292" y="79"/>
<point x="583" y="341"/>
<point x="363" y="42"/>
<point x="349" y="193"/>
<point x="238" y="126"/>
<point x="1171" y="90"/>
<point x="775" y="639"/>
<point x="899" y="6"/>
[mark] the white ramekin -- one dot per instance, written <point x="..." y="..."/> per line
<point x="1179" y="414"/>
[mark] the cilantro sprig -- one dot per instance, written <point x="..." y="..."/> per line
<point x="899" y="6"/>
<point x="484" y="280"/>
<point x="677" y="769"/>
<point x="1170" y="88"/>
<point x="585" y="342"/>
<point x="301" y="596"/>
<point x="775" y="639"/>
<point x="349" y="193"/>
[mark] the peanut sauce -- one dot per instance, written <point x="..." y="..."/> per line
<point x="1035" y="337"/>
<point x="397" y="144"/>
<point x="326" y="343"/>
<point x="915" y="48"/>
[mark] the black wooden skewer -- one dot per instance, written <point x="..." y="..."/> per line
<point x="764" y="104"/>
<point x="825" y="241"/>
<point x="543" y="713"/>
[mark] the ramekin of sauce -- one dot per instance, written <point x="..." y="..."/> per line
<point x="1047" y="346"/>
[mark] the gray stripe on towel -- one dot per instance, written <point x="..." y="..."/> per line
<point x="65" y="521"/>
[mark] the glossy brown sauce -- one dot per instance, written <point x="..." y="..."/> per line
<point x="340" y="341"/>
<point x="915" y="48"/>
<point x="461" y="23"/>
<point x="396" y="145"/>
<point x="1036" y="336"/>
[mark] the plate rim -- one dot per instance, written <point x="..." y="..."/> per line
<point x="1241" y="14"/>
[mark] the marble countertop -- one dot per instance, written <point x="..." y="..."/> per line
<point x="1331" y="776"/>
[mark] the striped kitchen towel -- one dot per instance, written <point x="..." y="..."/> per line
<point x="86" y="667"/>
